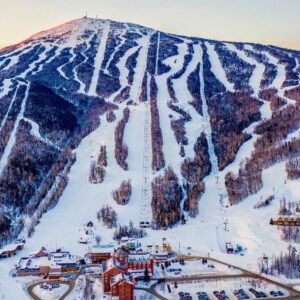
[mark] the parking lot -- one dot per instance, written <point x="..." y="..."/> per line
<point x="227" y="289"/>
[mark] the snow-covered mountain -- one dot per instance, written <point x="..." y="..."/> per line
<point x="164" y="129"/>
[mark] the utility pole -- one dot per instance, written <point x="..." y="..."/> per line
<point x="225" y="225"/>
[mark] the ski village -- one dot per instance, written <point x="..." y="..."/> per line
<point x="134" y="268"/>
<point x="137" y="164"/>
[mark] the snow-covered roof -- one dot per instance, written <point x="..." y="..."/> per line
<point x="135" y="257"/>
<point x="111" y="263"/>
<point x="108" y="248"/>
<point x="11" y="247"/>
<point x="34" y="262"/>
<point x="122" y="277"/>
<point x="42" y="249"/>
<point x="124" y="239"/>
<point x="53" y="260"/>
<point x="63" y="258"/>
<point x="120" y="252"/>
<point x="54" y="272"/>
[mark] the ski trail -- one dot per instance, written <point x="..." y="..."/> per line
<point x="279" y="79"/>
<point x="9" y="108"/>
<point x="281" y="75"/>
<point x="45" y="202"/>
<point x="297" y="68"/>
<point x="98" y="59"/>
<point x="12" y="138"/>
<point x="15" y="59"/>
<point x="6" y="87"/>
<point x="42" y="57"/>
<point x="206" y="117"/>
<point x="123" y="78"/>
<point x="35" y="131"/>
<point x="32" y="65"/>
<point x="247" y="148"/>
<point x="170" y="147"/>
<point x="139" y="159"/>
<point x="3" y="63"/>
<point x="146" y="210"/>
<point x="59" y="69"/>
<point x="194" y="127"/>
<point x="82" y="85"/>
<point x="47" y="61"/>
<point x="255" y="79"/>
<point x="8" y="81"/>
<point x="254" y="82"/>
<point x="123" y="40"/>
<point x="217" y="68"/>
<point x="157" y="53"/>
<point x="257" y="74"/>
<point x="176" y="62"/>
<point x="140" y="69"/>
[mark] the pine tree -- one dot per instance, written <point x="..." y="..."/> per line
<point x="146" y="274"/>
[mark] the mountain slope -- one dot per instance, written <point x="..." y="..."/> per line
<point x="206" y="124"/>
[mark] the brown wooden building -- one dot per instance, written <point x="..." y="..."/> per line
<point x="122" y="286"/>
<point x="111" y="268"/>
<point x="11" y="250"/>
<point x="101" y="253"/>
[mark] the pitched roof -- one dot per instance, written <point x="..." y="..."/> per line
<point x="139" y="257"/>
<point x="42" y="250"/>
<point x="11" y="247"/>
<point x="122" y="277"/>
<point x="109" y="248"/>
<point x="111" y="263"/>
<point x="120" y="252"/>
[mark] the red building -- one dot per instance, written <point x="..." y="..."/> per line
<point x="139" y="262"/>
<point x="111" y="268"/>
<point x="122" y="257"/>
<point x="11" y="250"/>
<point x="119" y="272"/>
<point x="122" y="286"/>
<point x="101" y="253"/>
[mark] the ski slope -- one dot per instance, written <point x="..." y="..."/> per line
<point x="99" y="58"/>
<point x="62" y="225"/>
<point x="13" y="135"/>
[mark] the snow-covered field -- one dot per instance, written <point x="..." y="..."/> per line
<point x="143" y="295"/>
<point x="78" y="291"/>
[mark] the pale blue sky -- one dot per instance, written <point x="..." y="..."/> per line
<point x="265" y="21"/>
